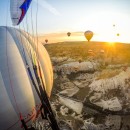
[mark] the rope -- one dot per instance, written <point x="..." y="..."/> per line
<point x="33" y="36"/>
<point x="11" y="84"/>
<point x="32" y="25"/>
<point x="10" y="81"/>
<point x="37" y="32"/>
<point x="27" y="30"/>
<point x="44" y="96"/>
<point x="13" y="125"/>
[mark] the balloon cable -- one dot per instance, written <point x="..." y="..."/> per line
<point x="10" y="81"/>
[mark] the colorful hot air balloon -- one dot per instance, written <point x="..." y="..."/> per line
<point x="88" y="35"/>
<point x="18" y="9"/>
<point x="68" y="34"/>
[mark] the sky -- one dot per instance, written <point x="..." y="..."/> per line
<point x="57" y="17"/>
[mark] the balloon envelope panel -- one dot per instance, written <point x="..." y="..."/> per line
<point x="18" y="9"/>
<point x="17" y="93"/>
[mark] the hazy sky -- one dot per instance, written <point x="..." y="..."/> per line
<point x="56" y="16"/>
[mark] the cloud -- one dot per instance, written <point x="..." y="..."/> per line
<point x="49" y="7"/>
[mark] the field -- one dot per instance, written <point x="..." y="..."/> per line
<point x="119" y="52"/>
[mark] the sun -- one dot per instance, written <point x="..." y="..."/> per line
<point x="108" y="26"/>
<point x="111" y="43"/>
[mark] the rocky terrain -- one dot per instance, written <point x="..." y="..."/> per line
<point x="88" y="95"/>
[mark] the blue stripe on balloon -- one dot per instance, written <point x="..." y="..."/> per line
<point x="24" y="7"/>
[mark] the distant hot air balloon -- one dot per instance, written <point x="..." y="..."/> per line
<point x="18" y="9"/>
<point x="114" y="25"/>
<point x="46" y="40"/>
<point x="88" y="35"/>
<point x="118" y="34"/>
<point x="90" y="53"/>
<point x="68" y="34"/>
<point x="102" y="51"/>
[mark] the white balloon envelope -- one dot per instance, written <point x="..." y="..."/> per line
<point x="17" y="93"/>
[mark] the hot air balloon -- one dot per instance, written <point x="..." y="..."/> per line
<point x="88" y="35"/>
<point x="102" y="51"/>
<point x="114" y="25"/>
<point x="68" y="34"/>
<point x="118" y="34"/>
<point x="18" y="97"/>
<point x="46" y="40"/>
<point x="90" y="53"/>
<point x="18" y="10"/>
